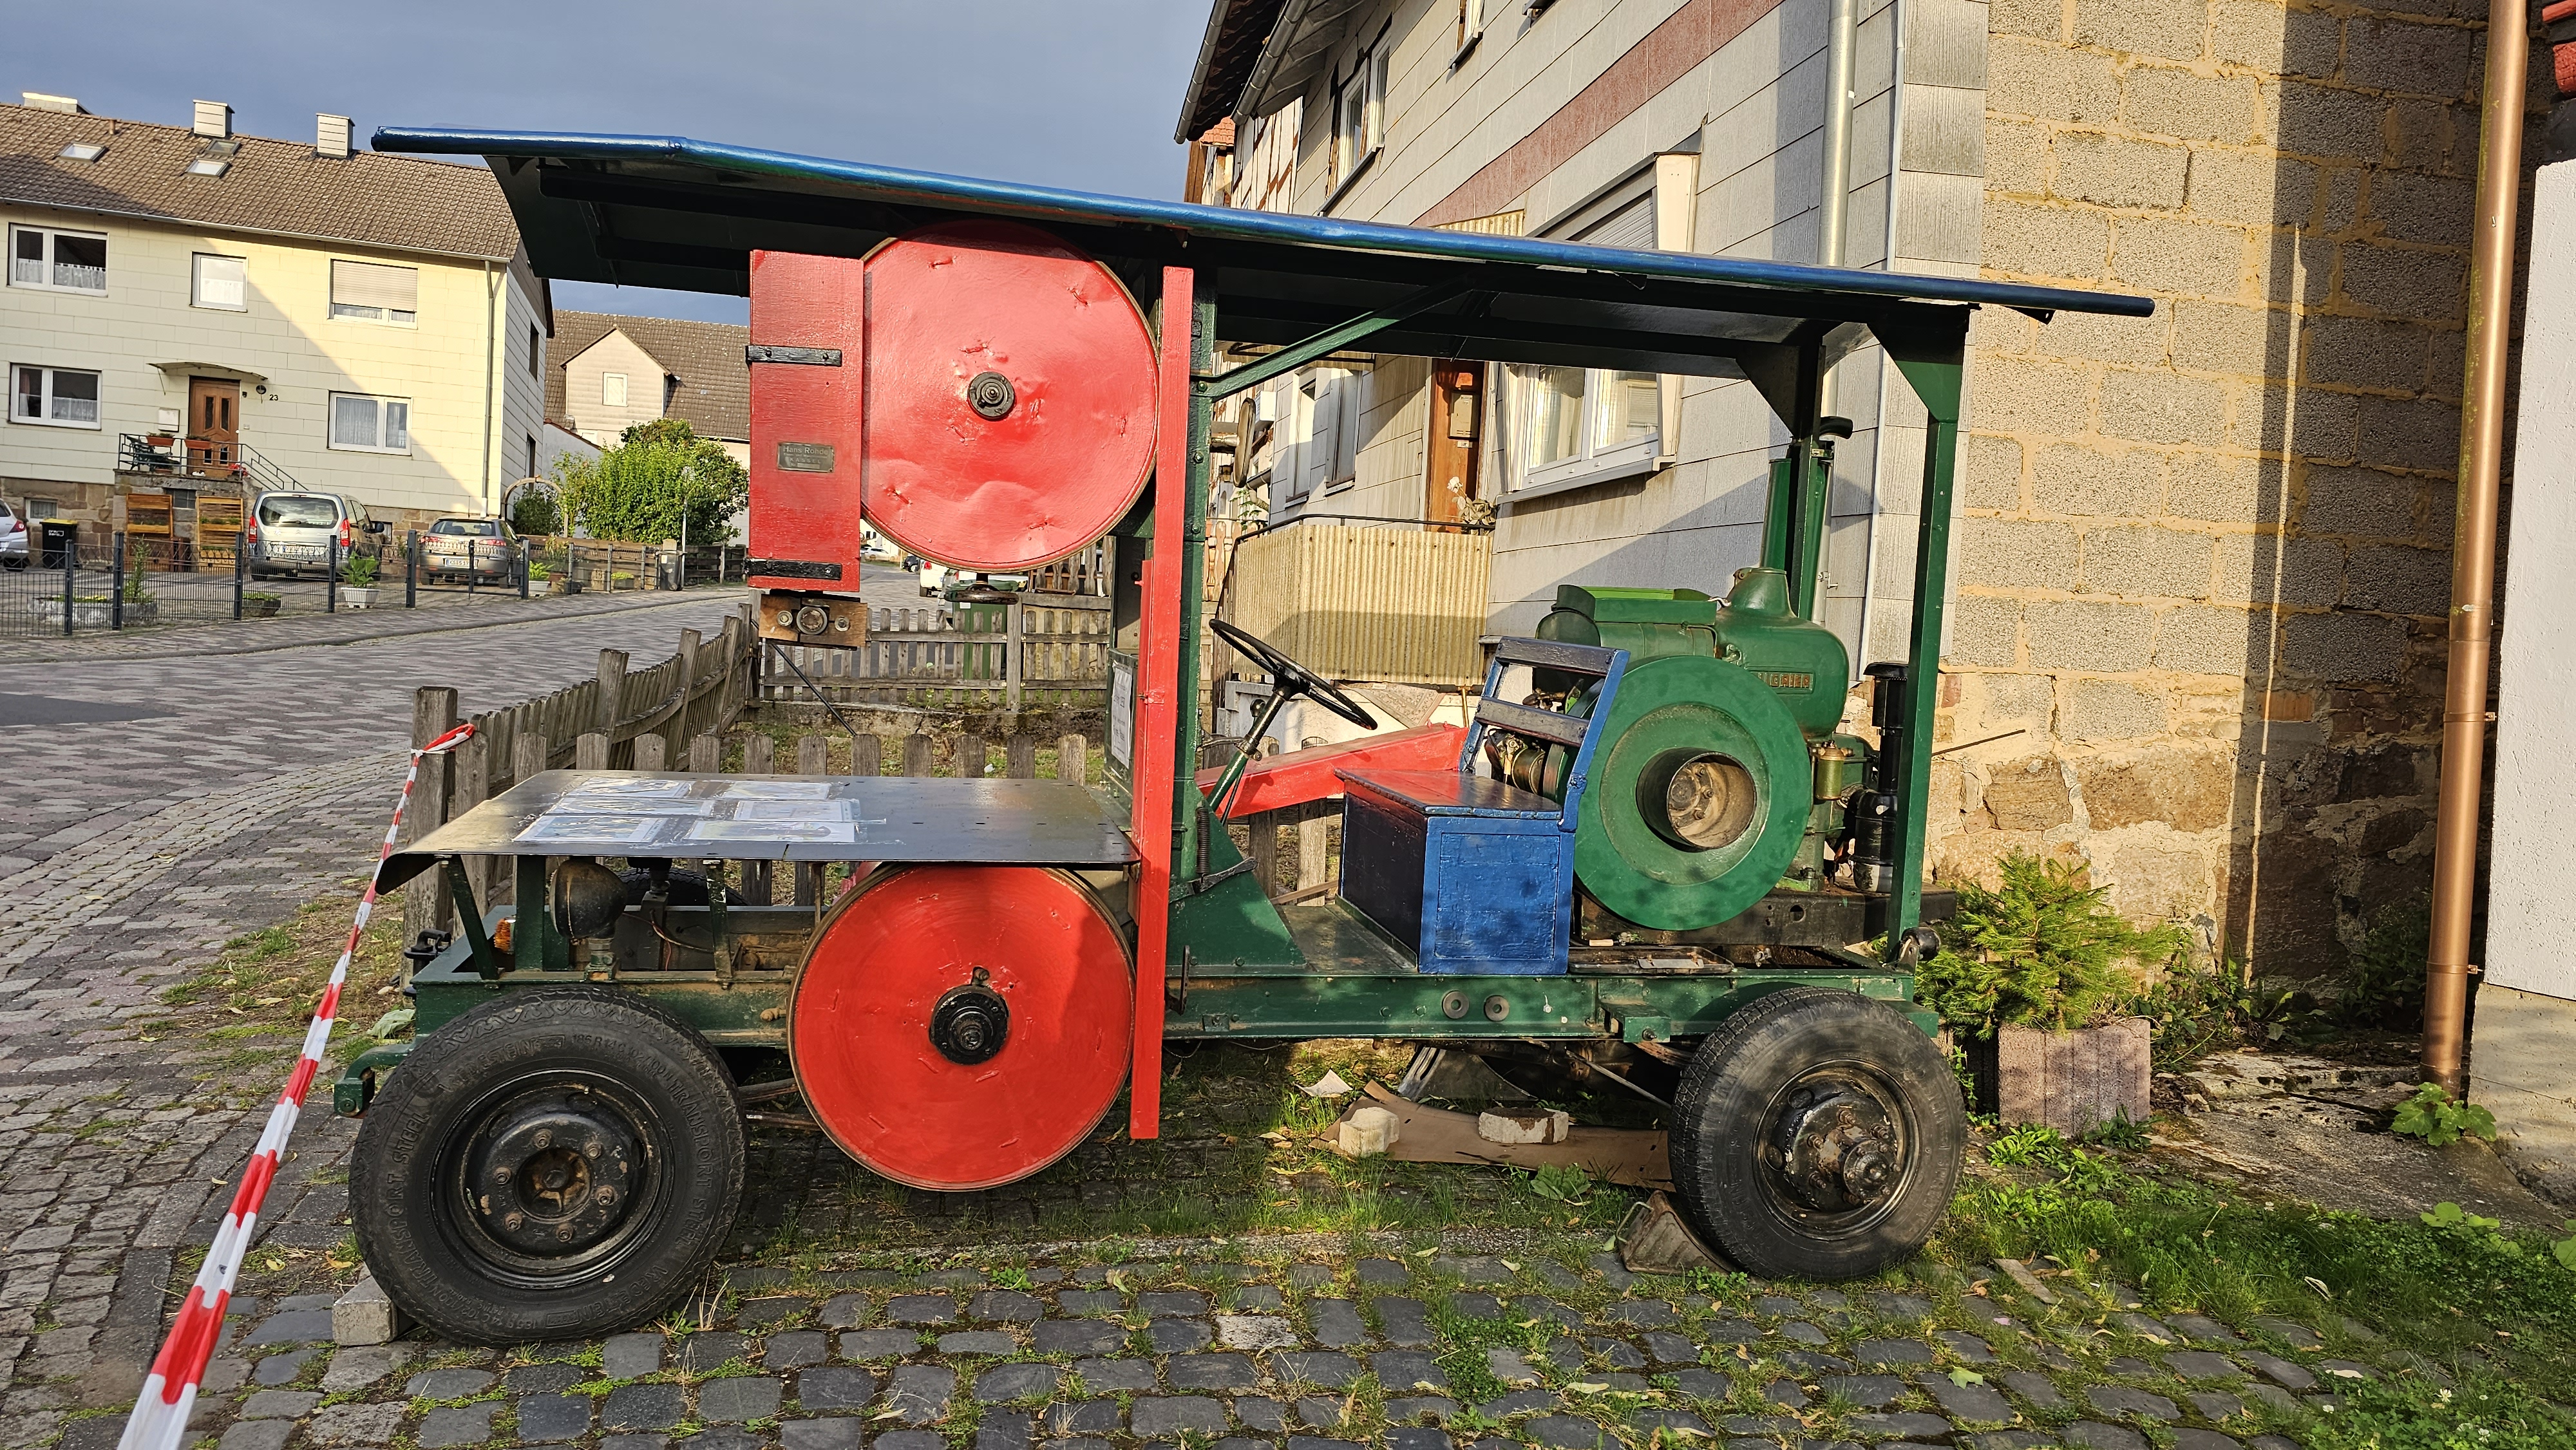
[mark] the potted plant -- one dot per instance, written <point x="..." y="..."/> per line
<point x="140" y="606"/>
<point x="2037" y="981"/>
<point x="260" y="605"/>
<point x="358" y="581"/>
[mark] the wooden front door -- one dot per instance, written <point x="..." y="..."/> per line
<point x="214" y="424"/>
<point x="1457" y="399"/>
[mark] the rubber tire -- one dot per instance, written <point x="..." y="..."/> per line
<point x="688" y="888"/>
<point x="1727" y="1089"/>
<point x="697" y="1132"/>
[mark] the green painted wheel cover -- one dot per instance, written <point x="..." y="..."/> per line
<point x="1680" y="707"/>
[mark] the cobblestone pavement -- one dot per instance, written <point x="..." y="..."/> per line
<point x="439" y="611"/>
<point x="1306" y="1344"/>
<point x="129" y="851"/>
<point x="173" y="727"/>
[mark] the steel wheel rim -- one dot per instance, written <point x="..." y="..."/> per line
<point x="1862" y="1114"/>
<point x="460" y="1220"/>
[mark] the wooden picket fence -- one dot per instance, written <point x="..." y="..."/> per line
<point x="619" y="719"/>
<point x="970" y="656"/>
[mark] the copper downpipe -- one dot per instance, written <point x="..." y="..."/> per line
<point x="2472" y="619"/>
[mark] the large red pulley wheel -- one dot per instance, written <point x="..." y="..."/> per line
<point x="960" y="1027"/>
<point x="1009" y="395"/>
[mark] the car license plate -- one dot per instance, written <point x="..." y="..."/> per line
<point x="297" y="551"/>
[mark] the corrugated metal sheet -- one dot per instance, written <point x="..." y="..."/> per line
<point x="1500" y="224"/>
<point x="1402" y="606"/>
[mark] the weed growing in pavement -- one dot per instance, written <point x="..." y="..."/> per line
<point x="2432" y="1116"/>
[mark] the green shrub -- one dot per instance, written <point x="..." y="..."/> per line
<point x="661" y="481"/>
<point x="2041" y="951"/>
<point x="2204" y="1007"/>
<point x="360" y="571"/>
<point x="2384" y="986"/>
<point x="2432" y="1116"/>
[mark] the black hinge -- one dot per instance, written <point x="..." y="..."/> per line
<point x="812" y="357"/>
<point x="791" y="569"/>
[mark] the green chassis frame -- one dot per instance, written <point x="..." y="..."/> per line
<point x="672" y="212"/>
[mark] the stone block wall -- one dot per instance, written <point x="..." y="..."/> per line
<point x="2203" y="557"/>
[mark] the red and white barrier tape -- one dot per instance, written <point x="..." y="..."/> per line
<point x="160" y="1418"/>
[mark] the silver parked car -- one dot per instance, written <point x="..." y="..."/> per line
<point x="13" y="538"/>
<point x="461" y="545"/>
<point x="291" y="533"/>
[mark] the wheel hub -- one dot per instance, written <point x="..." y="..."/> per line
<point x="1836" y="1146"/>
<point x="552" y="1176"/>
<point x="970" y="1023"/>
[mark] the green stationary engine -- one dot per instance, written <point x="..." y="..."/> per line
<point x="1720" y="777"/>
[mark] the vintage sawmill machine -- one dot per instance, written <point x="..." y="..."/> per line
<point x="1655" y="849"/>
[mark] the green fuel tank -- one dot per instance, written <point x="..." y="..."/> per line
<point x="1801" y="662"/>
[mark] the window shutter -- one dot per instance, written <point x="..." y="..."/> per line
<point x="367" y="284"/>
<point x="1632" y="225"/>
<point x="1322" y="436"/>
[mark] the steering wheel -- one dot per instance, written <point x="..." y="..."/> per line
<point x="1293" y="678"/>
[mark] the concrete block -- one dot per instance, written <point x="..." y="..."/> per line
<point x="2171" y="255"/>
<point x="2050" y="82"/>
<point x="2168" y="28"/>
<point x="2206" y="639"/>
<point x="2016" y="395"/>
<point x="2071" y="1081"/>
<point x="2396" y="579"/>
<point x="366" y="1315"/>
<point x="2046" y="241"/>
<point x="1984" y="630"/>
<point x="2389" y="54"/>
<point x="1990" y="474"/>
<point x="1549" y="1125"/>
<point x="2016" y="553"/>
<point x="2267" y="38"/>
<point x="2251" y="187"/>
<point x="2162" y="407"/>
<point x="2146" y="560"/>
<point x="2218" y="489"/>
<point x="2342" y="647"/>
<point x="2016" y="157"/>
<point x="2071" y="478"/>
<point x="2111" y="710"/>
<point x="2320" y="427"/>
<point x="1368" y="1131"/>
<point x="2412" y="208"/>
<point x="2070" y="634"/>
<point x="2364" y="352"/>
<point x="2172" y="101"/>
<point x="2408" y="433"/>
<point x="2222" y="337"/>
<point x="2270" y="569"/>
<point x="2426" y="285"/>
<point x="2120" y="171"/>
<point x="2325" y="123"/>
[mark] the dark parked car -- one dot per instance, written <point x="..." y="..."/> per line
<point x="292" y="533"/>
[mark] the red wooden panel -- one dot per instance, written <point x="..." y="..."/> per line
<point x="805" y="438"/>
<point x="1300" y="776"/>
<point x="1158" y="705"/>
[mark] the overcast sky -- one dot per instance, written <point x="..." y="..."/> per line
<point x="1079" y="93"/>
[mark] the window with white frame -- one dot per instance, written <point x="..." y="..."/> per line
<point x="1323" y="407"/>
<point x="373" y="292"/>
<point x="1471" y="24"/>
<point x="61" y="397"/>
<point x="612" y="390"/>
<point x="222" y="283"/>
<point x="1359" y="115"/>
<point x="363" y="424"/>
<point x="1572" y="425"/>
<point x="57" y="261"/>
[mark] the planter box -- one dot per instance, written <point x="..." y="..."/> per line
<point x="2070" y="1081"/>
<point x="356" y="598"/>
<point x="90" y="613"/>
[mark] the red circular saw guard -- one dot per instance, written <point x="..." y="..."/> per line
<point x="1050" y="462"/>
<point x="859" y="1022"/>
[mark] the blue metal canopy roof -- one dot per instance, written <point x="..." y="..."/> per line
<point x="666" y="211"/>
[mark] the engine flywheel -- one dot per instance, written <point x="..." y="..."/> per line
<point x="1699" y="794"/>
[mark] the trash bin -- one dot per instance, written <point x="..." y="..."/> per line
<point x="59" y="543"/>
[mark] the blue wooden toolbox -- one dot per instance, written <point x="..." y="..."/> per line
<point x="1474" y="874"/>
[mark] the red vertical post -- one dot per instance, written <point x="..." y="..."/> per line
<point x="1158" y="704"/>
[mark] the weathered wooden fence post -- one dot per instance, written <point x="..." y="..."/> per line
<point x="651" y="753"/>
<point x="590" y="751"/>
<point x="433" y="713"/>
<point x="917" y="760"/>
<point x="1073" y="759"/>
<point x="1020" y="756"/>
<point x="867" y="754"/>
<point x="706" y="754"/>
<point x="972" y="756"/>
<point x="813" y="757"/>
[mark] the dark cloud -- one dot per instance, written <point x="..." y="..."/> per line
<point x="1071" y="94"/>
